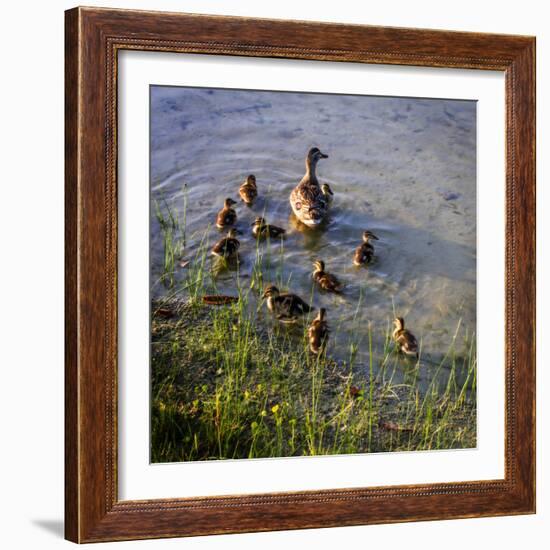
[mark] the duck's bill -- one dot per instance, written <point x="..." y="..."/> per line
<point x="323" y="156"/>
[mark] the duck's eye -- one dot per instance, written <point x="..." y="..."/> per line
<point x="298" y="206"/>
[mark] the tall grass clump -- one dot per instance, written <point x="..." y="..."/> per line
<point x="173" y="236"/>
<point x="225" y="386"/>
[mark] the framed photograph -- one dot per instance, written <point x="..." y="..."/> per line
<point x="300" y="275"/>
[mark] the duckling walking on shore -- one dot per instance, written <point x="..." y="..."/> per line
<point x="306" y="199"/>
<point x="326" y="281"/>
<point x="318" y="333"/>
<point x="227" y="215"/>
<point x="287" y="308"/>
<point x="262" y="230"/>
<point x="228" y="246"/>
<point x="404" y="339"/>
<point x="248" y="190"/>
<point x="364" y="253"/>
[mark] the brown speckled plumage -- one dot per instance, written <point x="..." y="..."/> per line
<point x="324" y="280"/>
<point x="248" y="191"/>
<point x="364" y="253"/>
<point x="261" y="229"/>
<point x="404" y="339"/>
<point x="327" y="193"/>
<point x="286" y="307"/>
<point x="228" y="246"/>
<point x="227" y="215"/>
<point x="318" y="333"/>
<point x="308" y="201"/>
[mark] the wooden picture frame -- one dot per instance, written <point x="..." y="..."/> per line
<point x="93" y="39"/>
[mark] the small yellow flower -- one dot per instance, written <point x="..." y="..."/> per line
<point x="274" y="409"/>
<point x="246" y="394"/>
<point x="263" y="413"/>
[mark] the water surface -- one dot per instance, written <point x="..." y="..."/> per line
<point x="405" y="168"/>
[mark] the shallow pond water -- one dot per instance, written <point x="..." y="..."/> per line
<point x="404" y="168"/>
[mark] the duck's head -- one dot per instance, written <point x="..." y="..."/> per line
<point x="228" y="203"/>
<point x="399" y="323"/>
<point x="251" y="180"/>
<point x="326" y="190"/>
<point x="232" y="233"/>
<point x="271" y="291"/>
<point x="314" y="155"/>
<point x="258" y="222"/>
<point x="321" y="315"/>
<point x="319" y="265"/>
<point x="369" y="235"/>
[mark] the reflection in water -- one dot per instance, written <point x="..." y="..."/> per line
<point x="403" y="168"/>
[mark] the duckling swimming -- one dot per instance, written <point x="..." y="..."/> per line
<point x="228" y="246"/>
<point x="248" y="190"/>
<point x="318" y="333"/>
<point x="327" y="193"/>
<point x="287" y="308"/>
<point x="306" y="199"/>
<point x="227" y="215"/>
<point x="326" y="281"/>
<point x="404" y="339"/>
<point x="261" y="229"/>
<point x="365" y="252"/>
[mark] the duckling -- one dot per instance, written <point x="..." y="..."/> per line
<point x="228" y="246"/>
<point x="306" y="199"/>
<point x="365" y="252"/>
<point x="404" y="339"/>
<point x="318" y="333"/>
<point x="326" y="281"/>
<point x="327" y="193"/>
<point x="287" y="308"/>
<point x="261" y="229"/>
<point x="248" y="190"/>
<point x="227" y="215"/>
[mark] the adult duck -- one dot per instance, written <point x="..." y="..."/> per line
<point x="308" y="202"/>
